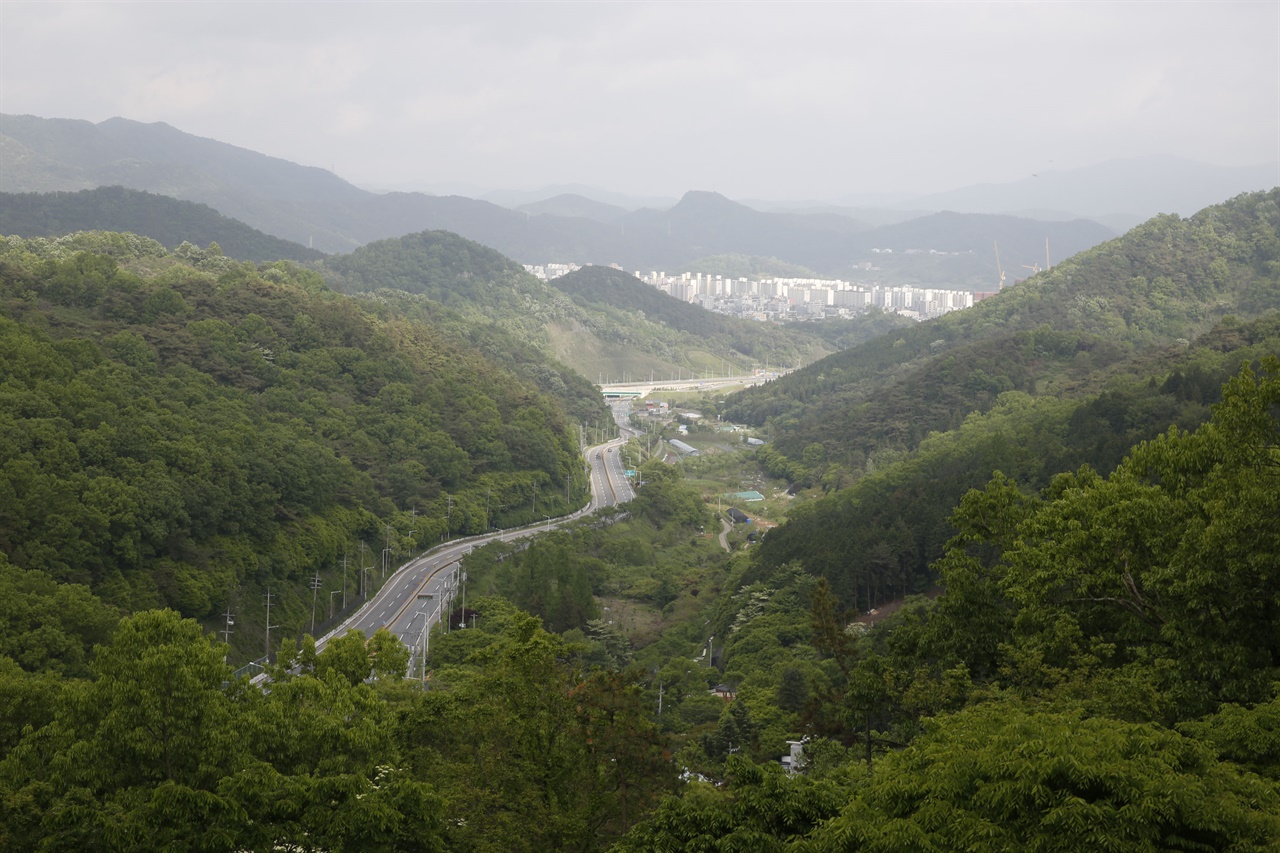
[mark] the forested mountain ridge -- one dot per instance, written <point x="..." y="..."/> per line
<point x="1100" y="671"/>
<point x="314" y="207"/>
<point x="178" y="424"/>
<point x="594" y="336"/>
<point x="1167" y="280"/>
<point x="611" y="291"/>
<point x="166" y="220"/>
<point x="273" y="195"/>
<point x="897" y="430"/>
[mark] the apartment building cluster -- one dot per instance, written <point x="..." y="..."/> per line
<point x="784" y="299"/>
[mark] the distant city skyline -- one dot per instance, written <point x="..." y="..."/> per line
<point x="752" y="100"/>
<point x="788" y="298"/>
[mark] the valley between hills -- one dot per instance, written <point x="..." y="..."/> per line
<point x="1008" y="578"/>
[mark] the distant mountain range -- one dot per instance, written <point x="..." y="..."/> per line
<point x="167" y="220"/>
<point x="1132" y="190"/>
<point x="313" y="207"/>
<point x="1117" y="193"/>
<point x="573" y="205"/>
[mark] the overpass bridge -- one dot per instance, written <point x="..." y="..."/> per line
<point x="638" y="390"/>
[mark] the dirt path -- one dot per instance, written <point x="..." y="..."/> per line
<point x="884" y="610"/>
<point x="725" y="527"/>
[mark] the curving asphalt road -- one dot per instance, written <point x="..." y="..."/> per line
<point x="421" y="591"/>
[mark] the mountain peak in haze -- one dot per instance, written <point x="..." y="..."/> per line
<point x="572" y="204"/>
<point x="708" y="203"/>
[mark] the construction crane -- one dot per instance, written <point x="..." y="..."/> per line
<point x="1046" y="252"/>
<point x="1035" y="268"/>
<point x="999" y="268"/>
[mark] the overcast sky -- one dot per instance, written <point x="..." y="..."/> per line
<point x="754" y="100"/>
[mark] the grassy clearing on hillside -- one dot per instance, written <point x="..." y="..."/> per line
<point x="592" y="357"/>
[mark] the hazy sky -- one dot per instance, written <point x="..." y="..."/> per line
<point x="762" y="100"/>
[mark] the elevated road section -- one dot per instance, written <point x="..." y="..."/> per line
<point x="619" y="390"/>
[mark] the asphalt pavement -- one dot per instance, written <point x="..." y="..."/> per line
<point x="422" y="591"/>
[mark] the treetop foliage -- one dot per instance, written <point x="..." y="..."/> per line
<point x="177" y="424"/>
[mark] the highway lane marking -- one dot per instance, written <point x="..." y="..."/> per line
<point x="452" y="556"/>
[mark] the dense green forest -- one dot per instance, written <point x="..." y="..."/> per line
<point x="525" y="739"/>
<point x="875" y="538"/>
<point x="1166" y="281"/>
<point x="895" y="431"/>
<point x="1094" y="664"/>
<point x="164" y="219"/>
<point x="178" y="425"/>
<point x="1100" y="673"/>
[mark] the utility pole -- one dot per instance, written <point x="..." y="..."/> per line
<point x="364" y="571"/>
<point x="315" y="591"/>
<point x="446" y="603"/>
<point x="344" y="578"/>
<point x="386" y="553"/>
<point x="464" y="600"/>
<point x="448" y="517"/>
<point x="361" y="570"/>
<point x="422" y="662"/>
<point x="227" y="632"/>
<point x="269" y="625"/>
<point x="331" y="595"/>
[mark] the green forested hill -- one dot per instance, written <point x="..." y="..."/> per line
<point x="610" y="291"/>
<point x="875" y="539"/>
<point x="620" y="325"/>
<point x="1100" y="672"/>
<point x="1168" y="280"/>
<point x="177" y="425"/>
<point x="159" y="217"/>
<point x="897" y="430"/>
